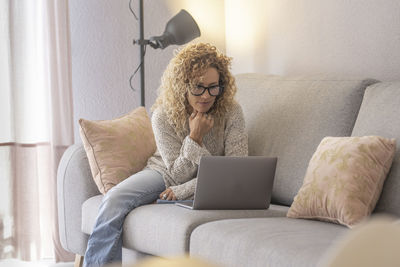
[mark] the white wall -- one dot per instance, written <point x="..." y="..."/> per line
<point x="344" y="37"/>
<point x="103" y="57"/>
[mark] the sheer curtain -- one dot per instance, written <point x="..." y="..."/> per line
<point x="36" y="124"/>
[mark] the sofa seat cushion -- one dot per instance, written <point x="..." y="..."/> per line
<point x="264" y="241"/>
<point x="164" y="229"/>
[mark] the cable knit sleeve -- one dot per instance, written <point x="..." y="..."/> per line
<point x="235" y="144"/>
<point x="236" y="139"/>
<point x="180" y="157"/>
<point x="186" y="190"/>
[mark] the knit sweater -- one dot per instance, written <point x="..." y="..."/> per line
<point x="177" y="158"/>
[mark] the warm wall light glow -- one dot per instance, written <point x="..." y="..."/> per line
<point x="209" y="15"/>
<point x="236" y="27"/>
<point x="240" y="27"/>
<point x="245" y="30"/>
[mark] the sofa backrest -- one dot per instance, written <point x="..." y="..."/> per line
<point x="287" y="117"/>
<point x="380" y="115"/>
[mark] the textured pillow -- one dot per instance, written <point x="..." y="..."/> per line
<point x="117" y="148"/>
<point x="344" y="179"/>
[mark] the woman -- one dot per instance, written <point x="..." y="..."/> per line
<point x="195" y="115"/>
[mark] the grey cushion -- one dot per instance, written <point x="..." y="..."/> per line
<point x="380" y="115"/>
<point x="90" y="209"/>
<point x="130" y="256"/>
<point x="269" y="242"/>
<point x="164" y="229"/>
<point x="287" y="117"/>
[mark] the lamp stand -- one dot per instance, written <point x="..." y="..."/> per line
<point x="180" y="29"/>
<point x="142" y="49"/>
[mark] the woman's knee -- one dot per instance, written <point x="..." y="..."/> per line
<point x="134" y="191"/>
<point x="113" y="199"/>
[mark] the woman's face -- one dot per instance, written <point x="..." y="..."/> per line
<point x="204" y="102"/>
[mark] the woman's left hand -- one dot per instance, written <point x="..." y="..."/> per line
<point x="168" y="194"/>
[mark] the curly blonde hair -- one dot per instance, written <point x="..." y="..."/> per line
<point x="185" y="70"/>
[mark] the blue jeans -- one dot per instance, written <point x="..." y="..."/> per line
<point x="105" y="242"/>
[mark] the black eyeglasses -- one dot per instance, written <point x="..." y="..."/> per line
<point x="213" y="90"/>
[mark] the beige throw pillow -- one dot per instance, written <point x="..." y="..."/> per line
<point x="344" y="179"/>
<point x="117" y="148"/>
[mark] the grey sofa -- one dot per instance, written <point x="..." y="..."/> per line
<point x="286" y="117"/>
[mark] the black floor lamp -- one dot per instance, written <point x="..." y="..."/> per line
<point x="180" y="29"/>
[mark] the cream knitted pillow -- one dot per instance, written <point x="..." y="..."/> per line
<point x="344" y="179"/>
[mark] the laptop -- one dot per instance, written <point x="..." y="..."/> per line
<point x="233" y="183"/>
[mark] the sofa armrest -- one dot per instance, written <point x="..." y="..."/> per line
<point x="74" y="186"/>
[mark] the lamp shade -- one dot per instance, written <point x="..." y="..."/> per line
<point x="179" y="30"/>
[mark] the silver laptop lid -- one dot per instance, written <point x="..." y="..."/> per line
<point x="234" y="182"/>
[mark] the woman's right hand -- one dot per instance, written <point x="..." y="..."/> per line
<point x="200" y="124"/>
